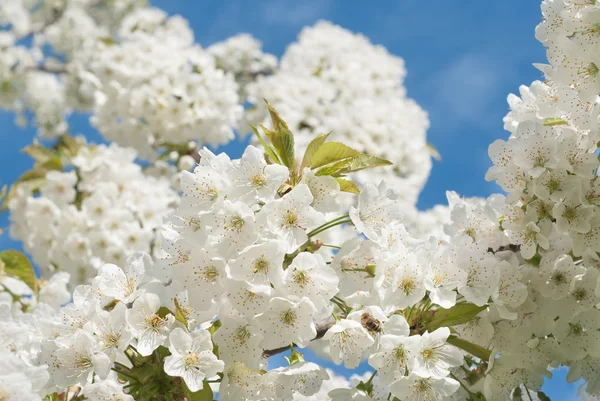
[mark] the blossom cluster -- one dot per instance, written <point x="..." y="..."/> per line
<point x="548" y="167"/>
<point x="36" y="80"/>
<point x="298" y="244"/>
<point x="135" y="69"/>
<point x="334" y="80"/>
<point x="26" y="310"/>
<point x="155" y="86"/>
<point x="244" y="248"/>
<point x="242" y="55"/>
<point x="100" y="209"/>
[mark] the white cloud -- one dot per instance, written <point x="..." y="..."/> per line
<point x="465" y="89"/>
<point x="268" y="20"/>
<point x="291" y="12"/>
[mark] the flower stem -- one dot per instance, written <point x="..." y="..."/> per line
<point x="337" y="221"/>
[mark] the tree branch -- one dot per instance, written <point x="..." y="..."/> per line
<point x="510" y="247"/>
<point x="322" y="328"/>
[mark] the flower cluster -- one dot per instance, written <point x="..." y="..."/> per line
<point x="42" y="82"/>
<point x="101" y="209"/>
<point x="155" y="86"/>
<point x="549" y="169"/>
<point x="334" y="80"/>
<point x="264" y="255"/>
<point x="137" y="70"/>
<point x="27" y="306"/>
<point x="242" y="55"/>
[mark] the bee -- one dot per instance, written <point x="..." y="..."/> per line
<point x="370" y="323"/>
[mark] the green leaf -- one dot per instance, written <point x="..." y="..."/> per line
<point x="458" y="314"/>
<point x="68" y="145"/>
<point x="473" y="349"/>
<point x="107" y="40"/>
<point x="347" y="186"/>
<point x="542" y="396"/>
<point x="111" y="305"/>
<point x="270" y="151"/>
<point x="205" y="394"/>
<point x="180" y="313"/>
<point x="51" y="164"/>
<point x="281" y="138"/>
<point x="517" y="394"/>
<point x="32" y="175"/>
<point x="283" y="143"/>
<point x="550" y="122"/>
<point x="312" y="147"/>
<point x="39" y="153"/>
<point x="331" y="152"/>
<point x="278" y="123"/>
<point x="163" y="311"/>
<point x="366" y="387"/>
<point x="214" y="327"/>
<point x="434" y="152"/>
<point x="16" y="264"/>
<point x="351" y="165"/>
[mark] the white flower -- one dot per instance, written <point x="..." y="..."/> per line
<point x="406" y="286"/>
<point x="192" y="358"/>
<point x="247" y="299"/>
<point x="417" y="388"/>
<point x="300" y="378"/>
<point x="536" y="153"/>
<point x="395" y="355"/>
<point x="239" y="340"/>
<point x="123" y="286"/>
<point x="292" y="217"/>
<point x="434" y="356"/>
<point x="555" y="278"/>
<point x="240" y="383"/>
<point x="376" y="209"/>
<point x="60" y="187"/>
<point x="443" y="275"/>
<point x="286" y="322"/>
<point x="309" y="276"/>
<point x="572" y="214"/>
<point x="324" y="189"/>
<point x="78" y="357"/>
<point x="355" y="256"/>
<point x="231" y="227"/>
<point x="347" y="340"/>
<point x="260" y="264"/>
<point x="54" y="292"/>
<point x="106" y="390"/>
<point x="202" y="273"/>
<point x="202" y="187"/>
<point x="482" y="273"/>
<point x="254" y="179"/>
<point x="148" y="327"/>
<point x="111" y="330"/>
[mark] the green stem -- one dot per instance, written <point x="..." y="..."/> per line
<point x="473" y="349"/>
<point x="329" y="224"/>
<point x="471" y="394"/>
<point x="339" y="223"/>
<point x="410" y="314"/>
<point x="528" y="393"/>
<point x="371" y="378"/>
<point x="127" y="375"/>
<point x="332" y="246"/>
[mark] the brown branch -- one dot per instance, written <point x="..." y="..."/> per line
<point x="510" y="247"/>
<point x="56" y="15"/>
<point x="322" y="328"/>
<point x="59" y="69"/>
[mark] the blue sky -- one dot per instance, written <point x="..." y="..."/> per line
<point x="463" y="58"/>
